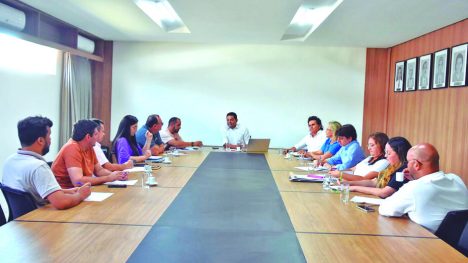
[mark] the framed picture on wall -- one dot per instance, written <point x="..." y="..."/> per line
<point x="424" y="72"/>
<point x="440" y="69"/>
<point x="458" y="66"/>
<point x="399" y="76"/>
<point x="411" y="76"/>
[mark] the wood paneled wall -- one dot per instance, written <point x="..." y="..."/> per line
<point x="438" y="116"/>
<point x="102" y="88"/>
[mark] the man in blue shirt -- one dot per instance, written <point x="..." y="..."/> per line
<point x="350" y="153"/>
<point x="154" y="125"/>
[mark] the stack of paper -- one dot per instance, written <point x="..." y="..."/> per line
<point x="155" y="159"/>
<point x="306" y="178"/>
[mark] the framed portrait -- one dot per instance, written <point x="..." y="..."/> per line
<point x="458" y="65"/>
<point x="399" y="76"/>
<point x="411" y="75"/>
<point x="440" y="69"/>
<point x="424" y="72"/>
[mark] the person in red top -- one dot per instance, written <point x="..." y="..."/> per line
<point x="76" y="162"/>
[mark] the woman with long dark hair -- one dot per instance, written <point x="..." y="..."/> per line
<point x="386" y="184"/>
<point x="125" y="145"/>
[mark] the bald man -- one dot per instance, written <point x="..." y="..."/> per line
<point x="430" y="194"/>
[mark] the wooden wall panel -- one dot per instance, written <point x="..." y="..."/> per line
<point x="437" y="116"/>
<point x="102" y="88"/>
<point x="375" y="93"/>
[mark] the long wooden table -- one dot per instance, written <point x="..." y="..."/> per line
<point x="110" y="231"/>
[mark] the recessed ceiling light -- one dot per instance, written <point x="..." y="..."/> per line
<point x="162" y="13"/>
<point x="308" y="17"/>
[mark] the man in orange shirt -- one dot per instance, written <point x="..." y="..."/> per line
<point x="76" y="162"/>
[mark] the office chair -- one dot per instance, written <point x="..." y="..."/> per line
<point x="463" y="243"/>
<point x="19" y="202"/>
<point x="454" y="229"/>
<point x="2" y="217"/>
<point x="107" y="152"/>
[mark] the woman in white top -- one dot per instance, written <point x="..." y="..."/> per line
<point x="370" y="167"/>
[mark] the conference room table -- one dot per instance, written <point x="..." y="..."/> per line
<point x="112" y="230"/>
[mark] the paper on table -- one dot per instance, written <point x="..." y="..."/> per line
<point x="98" y="197"/>
<point x="128" y="182"/>
<point x="194" y="148"/>
<point x="317" y="169"/>
<point x="178" y="154"/>
<point x="305" y="178"/>
<point x="135" y="169"/>
<point x="155" y="157"/>
<point x="367" y="200"/>
<point x="303" y="168"/>
<point x="320" y="168"/>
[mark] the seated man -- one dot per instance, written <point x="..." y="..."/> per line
<point x="76" y="162"/>
<point x="350" y="152"/>
<point x="315" y="139"/>
<point x="171" y="137"/>
<point x="154" y="125"/>
<point x="235" y="135"/>
<point x="430" y="194"/>
<point x="29" y="172"/>
<point x="102" y="159"/>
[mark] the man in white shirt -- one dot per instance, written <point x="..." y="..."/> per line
<point x="102" y="159"/>
<point x="430" y="194"/>
<point x="315" y="139"/>
<point x="235" y="135"/>
<point x="171" y="137"/>
<point x="28" y="171"/>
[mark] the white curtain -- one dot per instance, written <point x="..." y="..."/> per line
<point x="76" y="94"/>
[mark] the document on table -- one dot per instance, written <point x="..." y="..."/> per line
<point x="177" y="153"/>
<point x="194" y="148"/>
<point x="305" y="178"/>
<point x="98" y="197"/>
<point x="135" y="169"/>
<point x="303" y="168"/>
<point x="317" y="169"/>
<point x="367" y="200"/>
<point x="128" y="182"/>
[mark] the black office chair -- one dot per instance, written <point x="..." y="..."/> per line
<point x="463" y="243"/>
<point x="107" y="152"/>
<point x="454" y="229"/>
<point x="2" y="217"/>
<point x="19" y="202"/>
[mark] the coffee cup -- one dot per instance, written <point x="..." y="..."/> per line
<point x="399" y="176"/>
<point x="151" y="180"/>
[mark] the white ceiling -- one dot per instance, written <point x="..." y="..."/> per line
<point x="355" y="23"/>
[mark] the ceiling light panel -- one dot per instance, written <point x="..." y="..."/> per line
<point x="309" y="16"/>
<point x="162" y="13"/>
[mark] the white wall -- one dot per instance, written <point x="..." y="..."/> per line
<point x="26" y="94"/>
<point x="273" y="89"/>
<point x="29" y="86"/>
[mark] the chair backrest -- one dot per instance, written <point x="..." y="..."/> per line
<point x="463" y="243"/>
<point x="107" y="152"/>
<point x="452" y="228"/>
<point x="2" y="217"/>
<point x="19" y="202"/>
